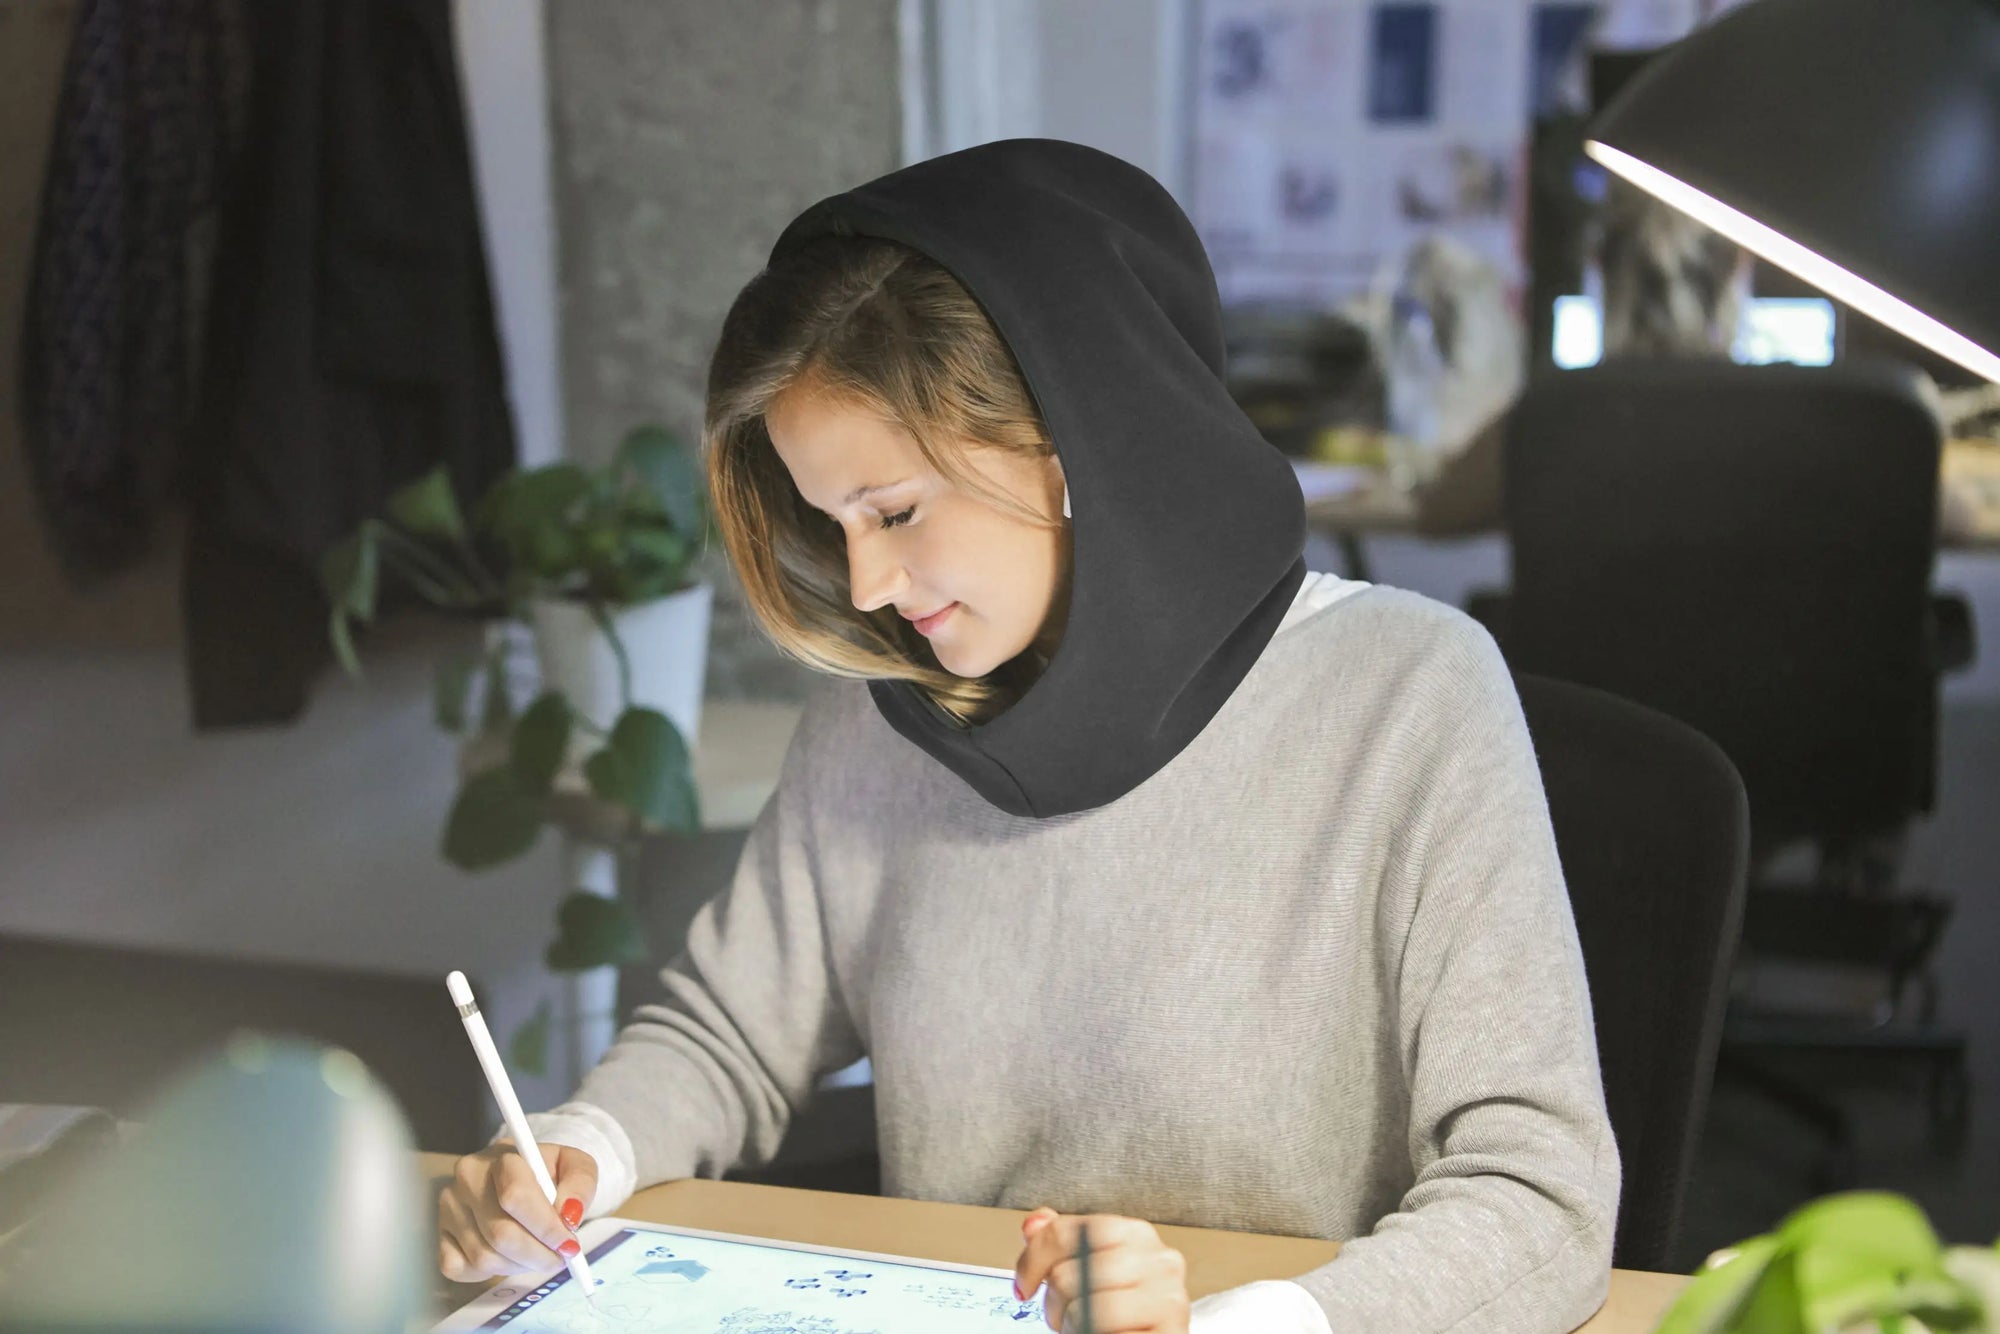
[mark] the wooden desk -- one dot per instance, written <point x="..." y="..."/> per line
<point x="967" y="1234"/>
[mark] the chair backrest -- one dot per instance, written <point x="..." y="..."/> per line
<point x="1652" y="827"/>
<point x="1748" y="549"/>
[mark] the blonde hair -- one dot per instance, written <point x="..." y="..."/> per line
<point x="881" y="327"/>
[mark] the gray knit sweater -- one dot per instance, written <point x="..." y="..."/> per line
<point x="1317" y="976"/>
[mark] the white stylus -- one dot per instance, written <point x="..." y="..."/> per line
<point x="510" y="1108"/>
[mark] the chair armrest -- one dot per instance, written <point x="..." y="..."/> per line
<point x="1489" y="606"/>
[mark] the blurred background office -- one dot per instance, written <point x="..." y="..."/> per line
<point x="262" y="268"/>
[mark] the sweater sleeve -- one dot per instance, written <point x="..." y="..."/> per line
<point x="1507" y="1225"/>
<point x="711" y="1077"/>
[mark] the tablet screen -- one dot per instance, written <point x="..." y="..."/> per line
<point x="677" y="1284"/>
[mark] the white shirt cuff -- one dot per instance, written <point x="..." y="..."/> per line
<point x="1274" y="1306"/>
<point x="580" y="1125"/>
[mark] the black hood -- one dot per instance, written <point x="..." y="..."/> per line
<point x="1188" y="527"/>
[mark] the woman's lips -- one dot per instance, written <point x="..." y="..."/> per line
<point x="926" y="624"/>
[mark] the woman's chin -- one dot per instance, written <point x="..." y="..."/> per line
<point x="957" y="665"/>
<point x="964" y="660"/>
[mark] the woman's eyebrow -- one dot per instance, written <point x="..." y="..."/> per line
<point x="861" y="491"/>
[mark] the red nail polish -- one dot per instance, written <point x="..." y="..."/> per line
<point x="1019" y="1296"/>
<point x="572" y="1213"/>
<point x="568" y="1248"/>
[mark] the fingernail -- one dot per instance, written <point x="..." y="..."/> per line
<point x="1019" y="1295"/>
<point x="572" y="1213"/>
<point x="568" y="1248"/>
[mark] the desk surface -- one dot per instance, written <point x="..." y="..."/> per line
<point x="968" y="1234"/>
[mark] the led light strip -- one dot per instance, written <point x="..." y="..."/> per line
<point x="1788" y="254"/>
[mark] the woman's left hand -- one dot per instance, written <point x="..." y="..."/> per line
<point x="1138" y="1283"/>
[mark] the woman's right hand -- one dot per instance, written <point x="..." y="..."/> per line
<point x="493" y="1219"/>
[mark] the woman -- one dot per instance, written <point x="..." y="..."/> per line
<point x="1161" y="881"/>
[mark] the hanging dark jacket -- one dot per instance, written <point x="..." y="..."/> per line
<point x="122" y="255"/>
<point x="352" y="345"/>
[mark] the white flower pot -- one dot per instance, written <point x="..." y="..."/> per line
<point x="666" y="643"/>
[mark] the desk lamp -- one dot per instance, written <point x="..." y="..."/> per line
<point x="1855" y="143"/>
<point x="273" y="1188"/>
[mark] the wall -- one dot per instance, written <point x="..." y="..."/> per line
<point x="503" y="72"/>
<point x="1115" y="77"/>
<point x="686" y="135"/>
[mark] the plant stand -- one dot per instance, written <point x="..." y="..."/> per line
<point x="587" y="1005"/>
<point x="666" y="646"/>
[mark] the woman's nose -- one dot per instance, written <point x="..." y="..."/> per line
<point x="873" y="578"/>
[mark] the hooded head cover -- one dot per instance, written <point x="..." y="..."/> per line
<point x="1188" y="529"/>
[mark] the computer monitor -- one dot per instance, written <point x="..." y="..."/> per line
<point x="1798" y="329"/>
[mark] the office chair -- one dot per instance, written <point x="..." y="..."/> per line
<point x="1653" y="831"/>
<point x="1749" y="549"/>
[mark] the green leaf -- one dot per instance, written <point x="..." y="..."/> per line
<point x="540" y="740"/>
<point x="350" y="569"/>
<point x="528" y="1049"/>
<point x="605" y="772"/>
<point x="658" y="545"/>
<point x="1879" y="1227"/>
<point x="451" y="687"/>
<point x="645" y="767"/>
<point x="1940" y="1301"/>
<point x="549" y="551"/>
<point x="342" y="635"/>
<point x="632" y="588"/>
<point x="594" y="931"/>
<point x="1711" y="1301"/>
<point x="428" y="508"/>
<point x="599" y="543"/>
<point x="1977" y="1268"/>
<point x="1864" y="1256"/>
<point x="1835" y="1292"/>
<point x="527" y="501"/>
<point x="492" y="821"/>
<point x="670" y="472"/>
<point x="1773" y="1307"/>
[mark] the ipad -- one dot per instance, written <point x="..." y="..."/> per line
<point x="677" y="1280"/>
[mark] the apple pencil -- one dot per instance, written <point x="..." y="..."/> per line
<point x="510" y="1108"/>
<point x="1084" y="1323"/>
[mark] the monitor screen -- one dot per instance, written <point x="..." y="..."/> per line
<point x="1797" y="329"/>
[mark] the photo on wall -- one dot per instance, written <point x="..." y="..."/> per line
<point x="1403" y="64"/>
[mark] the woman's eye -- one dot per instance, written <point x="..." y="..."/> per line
<point x="896" y="520"/>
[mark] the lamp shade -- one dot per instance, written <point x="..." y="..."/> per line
<point x="271" y="1188"/>
<point x="1855" y="143"/>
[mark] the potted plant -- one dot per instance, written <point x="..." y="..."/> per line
<point x="1858" y="1261"/>
<point x="598" y="566"/>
